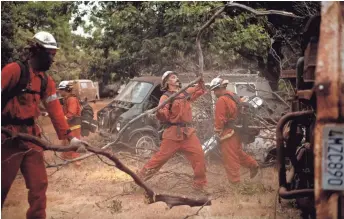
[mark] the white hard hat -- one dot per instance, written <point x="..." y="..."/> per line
<point x="217" y="82"/>
<point x="45" y="39"/>
<point x="66" y="85"/>
<point x="63" y="85"/>
<point x="166" y="74"/>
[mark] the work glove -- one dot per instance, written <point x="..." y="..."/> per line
<point x="79" y="143"/>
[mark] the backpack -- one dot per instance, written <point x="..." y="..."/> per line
<point x="21" y="86"/>
<point x="88" y="124"/>
<point x="242" y="122"/>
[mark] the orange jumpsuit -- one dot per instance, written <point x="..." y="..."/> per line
<point x="231" y="146"/>
<point x="178" y="138"/>
<point x="72" y="109"/>
<point x="22" y="155"/>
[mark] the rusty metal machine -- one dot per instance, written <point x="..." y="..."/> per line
<point x="310" y="139"/>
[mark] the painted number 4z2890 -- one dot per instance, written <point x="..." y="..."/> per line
<point x="333" y="158"/>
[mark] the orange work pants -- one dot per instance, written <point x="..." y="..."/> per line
<point x="71" y="154"/>
<point x="192" y="149"/>
<point x="233" y="157"/>
<point x="31" y="163"/>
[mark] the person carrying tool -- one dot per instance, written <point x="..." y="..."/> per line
<point x="72" y="112"/>
<point x="23" y="86"/>
<point x="226" y="111"/>
<point x="178" y="135"/>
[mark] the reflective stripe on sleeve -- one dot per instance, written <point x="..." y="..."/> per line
<point x="230" y="134"/>
<point x="51" y="98"/>
<point x="75" y="127"/>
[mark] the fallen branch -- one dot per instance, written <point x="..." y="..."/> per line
<point x="197" y="212"/>
<point x="151" y="195"/>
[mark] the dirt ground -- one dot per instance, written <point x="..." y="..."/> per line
<point x="98" y="190"/>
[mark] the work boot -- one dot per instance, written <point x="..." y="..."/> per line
<point x="254" y="172"/>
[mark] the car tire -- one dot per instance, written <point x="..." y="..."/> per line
<point x="144" y="140"/>
<point x="270" y="158"/>
<point x="111" y="93"/>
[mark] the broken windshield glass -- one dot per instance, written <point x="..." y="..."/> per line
<point x="135" y="92"/>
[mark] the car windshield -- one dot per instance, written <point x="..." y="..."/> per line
<point x="134" y="92"/>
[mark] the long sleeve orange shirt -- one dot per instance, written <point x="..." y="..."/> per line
<point x="181" y="112"/>
<point x="72" y="107"/>
<point x="26" y="105"/>
<point x="225" y="111"/>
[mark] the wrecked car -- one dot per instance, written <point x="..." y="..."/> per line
<point x="139" y="95"/>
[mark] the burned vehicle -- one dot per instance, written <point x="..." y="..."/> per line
<point x="139" y="95"/>
<point x="310" y="136"/>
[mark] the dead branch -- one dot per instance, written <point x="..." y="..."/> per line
<point x="198" y="40"/>
<point x="109" y="164"/>
<point x="197" y="212"/>
<point x="152" y="196"/>
<point x="263" y="13"/>
<point x="217" y="13"/>
<point x="138" y="159"/>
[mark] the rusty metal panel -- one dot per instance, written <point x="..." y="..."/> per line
<point x="328" y="62"/>
<point x="310" y="61"/>
<point x="304" y="94"/>
<point x="342" y="61"/>
<point x="290" y="73"/>
<point x="329" y="90"/>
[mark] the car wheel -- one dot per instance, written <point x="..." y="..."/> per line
<point x="270" y="158"/>
<point x="145" y="144"/>
<point x="111" y="94"/>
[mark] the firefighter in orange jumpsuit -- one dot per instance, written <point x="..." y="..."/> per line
<point x="178" y="136"/>
<point x="72" y="111"/>
<point x="19" y="110"/>
<point x="230" y="143"/>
